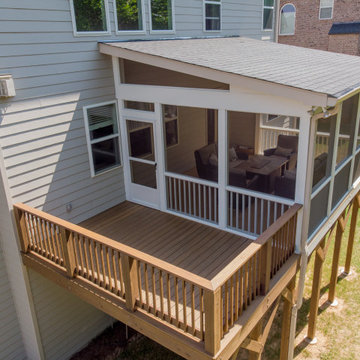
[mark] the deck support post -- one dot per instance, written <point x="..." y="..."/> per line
<point x="256" y="335"/>
<point x="67" y="247"/>
<point x="315" y="292"/>
<point x="21" y="226"/>
<point x="129" y="267"/>
<point x="213" y="321"/>
<point x="289" y="300"/>
<point x="335" y="264"/>
<point x="354" y="215"/>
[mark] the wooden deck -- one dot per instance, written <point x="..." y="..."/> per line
<point x="193" y="288"/>
<point x="197" y="248"/>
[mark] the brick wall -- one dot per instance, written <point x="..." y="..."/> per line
<point x="312" y="32"/>
<point x="346" y="44"/>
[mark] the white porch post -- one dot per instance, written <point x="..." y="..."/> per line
<point x="222" y="174"/>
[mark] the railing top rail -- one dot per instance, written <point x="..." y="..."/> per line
<point x="267" y="127"/>
<point x="250" y="251"/>
<point x="192" y="179"/>
<point x="127" y="250"/>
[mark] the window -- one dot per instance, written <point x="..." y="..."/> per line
<point x="102" y="137"/>
<point x="129" y="15"/>
<point x="212" y="15"/>
<point x="90" y="16"/>
<point x="268" y="14"/>
<point x="161" y="18"/>
<point x="326" y="9"/>
<point x="287" y="20"/>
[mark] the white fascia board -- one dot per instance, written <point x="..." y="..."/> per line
<point x="306" y="97"/>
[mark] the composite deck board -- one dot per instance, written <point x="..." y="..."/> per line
<point x="194" y="247"/>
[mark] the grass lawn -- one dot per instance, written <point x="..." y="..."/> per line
<point x="338" y="329"/>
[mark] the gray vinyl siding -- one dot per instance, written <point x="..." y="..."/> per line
<point x="53" y="304"/>
<point x="11" y="344"/>
<point x="42" y="132"/>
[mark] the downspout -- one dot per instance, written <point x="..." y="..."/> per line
<point x="277" y="17"/>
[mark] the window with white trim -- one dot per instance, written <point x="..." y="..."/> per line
<point x="212" y="18"/>
<point x="129" y="15"/>
<point x="90" y="17"/>
<point x="102" y="134"/>
<point x="161" y="15"/>
<point x="287" y="20"/>
<point x="268" y="14"/>
<point x="326" y="9"/>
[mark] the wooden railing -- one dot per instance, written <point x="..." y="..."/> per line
<point x="199" y="307"/>
<point x="252" y="213"/>
<point x="197" y="198"/>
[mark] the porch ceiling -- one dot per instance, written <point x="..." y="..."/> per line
<point x="321" y="72"/>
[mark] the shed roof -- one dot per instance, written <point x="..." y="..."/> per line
<point x="345" y="28"/>
<point x="318" y="71"/>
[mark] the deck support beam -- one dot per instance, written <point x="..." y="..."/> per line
<point x="315" y="292"/>
<point x="354" y="216"/>
<point x="335" y="263"/>
<point x="129" y="266"/>
<point x="289" y="301"/>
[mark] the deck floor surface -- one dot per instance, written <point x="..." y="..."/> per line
<point x="200" y="249"/>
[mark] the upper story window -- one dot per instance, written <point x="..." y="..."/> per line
<point x="161" y="15"/>
<point x="102" y="136"/>
<point x="90" y="17"/>
<point x="268" y="14"/>
<point x="326" y="9"/>
<point x="129" y="15"/>
<point x="287" y="20"/>
<point x="212" y="15"/>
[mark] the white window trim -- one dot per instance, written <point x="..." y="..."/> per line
<point x="90" y="142"/>
<point x="219" y="3"/>
<point x="262" y="22"/>
<point x="130" y="32"/>
<point x="90" y="33"/>
<point x="287" y="34"/>
<point x="326" y="7"/>
<point x="172" y="31"/>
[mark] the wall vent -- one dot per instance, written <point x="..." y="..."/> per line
<point x="7" y="88"/>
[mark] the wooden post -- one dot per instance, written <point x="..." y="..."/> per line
<point x="266" y="267"/>
<point x="354" y="215"/>
<point x="286" y="320"/>
<point x="213" y="322"/>
<point x="129" y="267"/>
<point x="256" y="334"/>
<point x="68" y="251"/>
<point x="21" y="226"/>
<point x="315" y="292"/>
<point x="335" y="264"/>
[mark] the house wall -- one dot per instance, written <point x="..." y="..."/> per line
<point x="312" y="32"/>
<point x="346" y="44"/>
<point x="11" y="344"/>
<point x="42" y="131"/>
<point x="242" y="128"/>
<point x="192" y="136"/>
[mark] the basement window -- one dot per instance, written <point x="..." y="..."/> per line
<point x="268" y="14"/>
<point x="326" y="9"/>
<point x="212" y="15"/>
<point x="161" y="15"/>
<point x="90" y="17"/>
<point x="102" y="134"/>
<point x="129" y="16"/>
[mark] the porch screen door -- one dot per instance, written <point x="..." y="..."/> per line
<point x="142" y="162"/>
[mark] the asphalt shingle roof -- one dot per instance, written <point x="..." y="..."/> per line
<point x="345" y="28"/>
<point x="308" y="69"/>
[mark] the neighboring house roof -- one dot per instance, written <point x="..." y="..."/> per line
<point x="345" y="28"/>
<point x="317" y="71"/>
